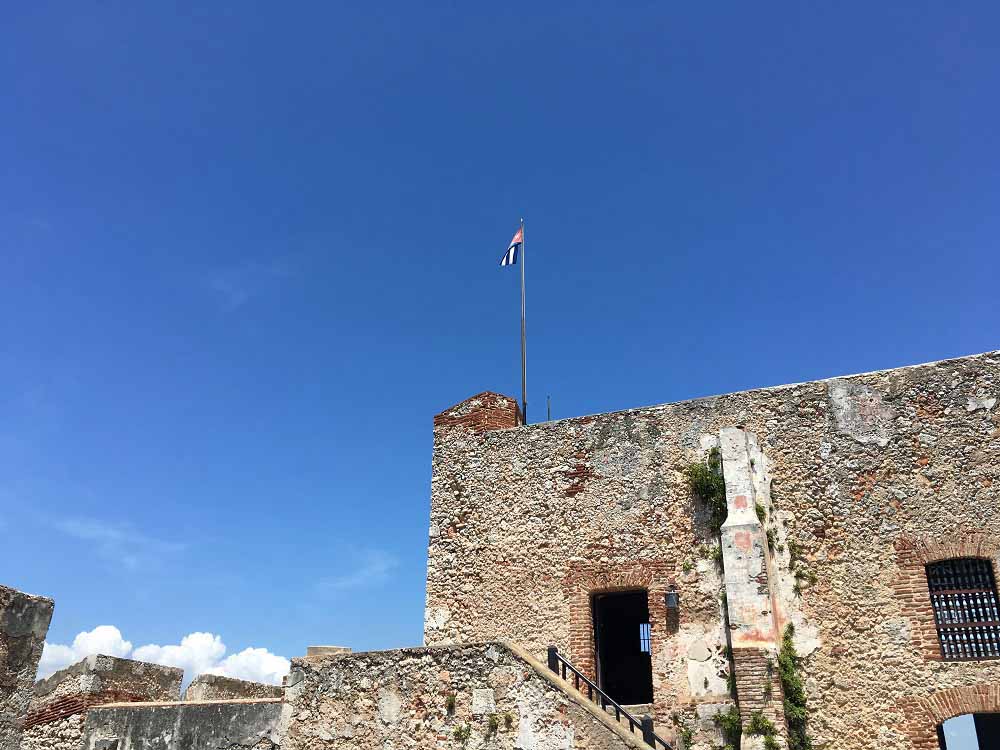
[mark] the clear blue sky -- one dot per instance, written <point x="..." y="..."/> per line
<point x="249" y="250"/>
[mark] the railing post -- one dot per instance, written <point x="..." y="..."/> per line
<point x="554" y="659"/>
<point x="647" y="730"/>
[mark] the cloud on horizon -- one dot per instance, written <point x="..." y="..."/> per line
<point x="197" y="653"/>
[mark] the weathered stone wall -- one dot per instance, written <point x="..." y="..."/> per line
<point x="60" y="703"/>
<point x="480" y="696"/>
<point x="526" y="522"/>
<point x="218" y="725"/>
<point x="24" y="621"/>
<point x="208" y="687"/>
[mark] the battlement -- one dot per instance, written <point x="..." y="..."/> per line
<point x="213" y="687"/>
<point x="60" y="703"/>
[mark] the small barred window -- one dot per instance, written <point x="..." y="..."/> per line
<point x="644" y="637"/>
<point x="964" y="598"/>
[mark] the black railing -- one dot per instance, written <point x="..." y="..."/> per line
<point x="559" y="665"/>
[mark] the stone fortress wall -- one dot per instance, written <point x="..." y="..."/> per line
<point x="24" y="622"/>
<point x="213" y="687"/>
<point x="59" y="706"/>
<point x="856" y="473"/>
<point x="232" y="724"/>
<point x="105" y="698"/>
<point x="478" y="696"/>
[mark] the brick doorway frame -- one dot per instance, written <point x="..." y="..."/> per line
<point x="924" y="714"/>
<point x="586" y="579"/>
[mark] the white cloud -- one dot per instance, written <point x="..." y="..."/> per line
<point x="104" y="639"/>
<point x="197" y="653"/>
<point x="372" y="568"/>
<point x="257" y="664"/>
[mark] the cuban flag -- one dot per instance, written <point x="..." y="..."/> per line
<point x="510" y="257"/>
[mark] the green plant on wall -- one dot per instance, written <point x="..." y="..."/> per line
<point x="708" y="485"/>
<point x="795" y="694"/>
<point x="449" y="703"/>
<point x="685" y="734"/>
<point x="462" y="734"/>
<point x="730" y="725"/>
<point x="762" y="726"/>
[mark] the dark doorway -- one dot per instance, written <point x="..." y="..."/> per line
<point x="970" y="732"/>
<point x="621" y="634"/>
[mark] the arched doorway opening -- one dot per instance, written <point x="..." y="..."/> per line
<point x="970" y="732"/>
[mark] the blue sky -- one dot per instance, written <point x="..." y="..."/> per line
<point x="249" y="250"/>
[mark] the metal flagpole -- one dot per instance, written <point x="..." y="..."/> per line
<point x="524" y="379"/>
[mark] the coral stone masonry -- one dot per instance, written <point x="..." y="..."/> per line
<point x="810" y="565"/>
<point x="60" y="703"/>
<point x="24" y="621"/>
<point x="835" y="492"/>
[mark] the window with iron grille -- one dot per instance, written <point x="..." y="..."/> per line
<point x="644" y="637"/>
<point x="964" y="598"/>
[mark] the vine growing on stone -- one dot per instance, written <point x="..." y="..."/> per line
<point x="795" y="694"/>
<point x="708" y="485"/>
<point x="731" y="726"/>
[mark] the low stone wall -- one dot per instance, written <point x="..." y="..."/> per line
<point x="24" y="621"/>
<point x="216" y="725"/>
<point x="213" y="687"/>
<point x="56" y="716"/>
<point x="477" y="696"/>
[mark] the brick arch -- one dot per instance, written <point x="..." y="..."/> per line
<point x="913" y="553"/>
<point x="925" y="713"/>
<point x="585" y="579"/>
<point x="925" y="550"/>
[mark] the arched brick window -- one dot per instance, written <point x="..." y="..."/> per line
<point x="927" y="594"/>
<point x="963" y="595"/>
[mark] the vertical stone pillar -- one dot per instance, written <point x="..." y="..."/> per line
<point x="750" y="602"/>
<point x="24" y="622"/>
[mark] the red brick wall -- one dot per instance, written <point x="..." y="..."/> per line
<point x="925" y="713"/>
<point x="75" y="704"/>
<point x="913" y="553"/>
<point x="483" y="412"/>
<point x="755" y="671"/>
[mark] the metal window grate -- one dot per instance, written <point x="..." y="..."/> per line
<point x="964" y="598"/>
<point x="644" y="637"/>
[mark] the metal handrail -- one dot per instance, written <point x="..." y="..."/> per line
<point x="559" y="665"/>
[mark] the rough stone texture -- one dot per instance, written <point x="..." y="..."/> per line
<point x="525" y="521"/>
<point x="60" y="703"/>
<point x="218" y="725"/>
<point x="395" y="699"/>
<point x="213" y="687"/>
<point x="24" y="621"/>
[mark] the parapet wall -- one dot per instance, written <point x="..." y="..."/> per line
<point x="475" y="696"/>
<point x="213" y="687"/>
<point x="60" y="702"/>
<point x="24" y="622"/>
<point x="211" y="725"/>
